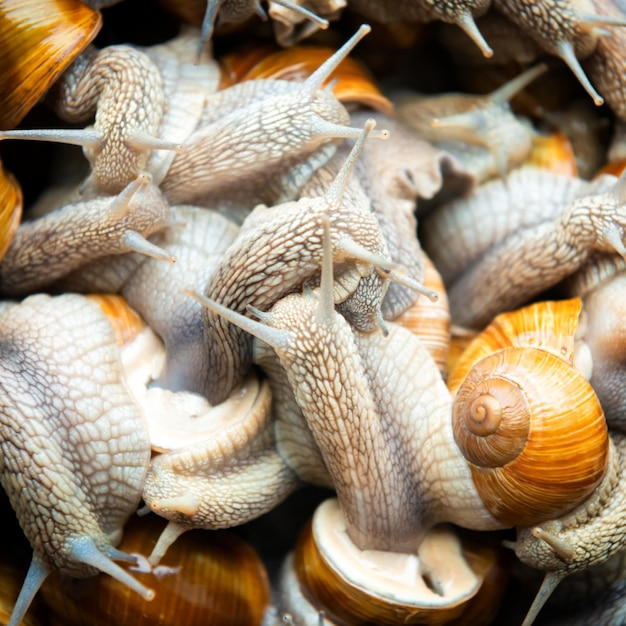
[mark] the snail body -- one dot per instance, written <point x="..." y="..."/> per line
<point x="270" y="234"/>
<point x="236" y="11"/>
<point x="459" y="123"/>
<point x="152" y="288"/>
<point x="459" y="12"/>
<point x="601" y="285"/>
<point x="110" y="83"/>
<point x="221" y="162"/>
<point x="373" y="357"/>
<point x="50" y="247"/>
<point x="71" y="501"/>
<point x="525" y="260"/>
<point x="569" y="30"/>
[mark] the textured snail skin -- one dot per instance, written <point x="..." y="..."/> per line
<point x="522" y="263"/>
<point x="291" y="26"/>
<point x="601" y="284"/>
<point x="592" y="596"/>
<point x="221" y="481"/>
<point x="152" y="288"/>
<point x="46" y="249"/>
<point x="276" y="250"/>
<point x="589" y="535"/>
<point x="568" y="29"/>
<point x="62" y="384"/>
<point x="188" y="82"/>
<point x="124" y="89"/>
<point x="480" y="131"/>
<point x="461" y="12"/>
<point x="94" y="84"/>
<point x="361" y="423"/>
<point x="407" y="168"/>
<point x="606" y="65"/>
<point x="242" y="156"/>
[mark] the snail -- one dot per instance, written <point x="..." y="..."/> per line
<point x="270" y="233"/>
<point x="74" y="445"/>
<point x="592" y="596"/>
<point x="119" y="143"/>
<point x="353" y="85"/>
<point x="39" y="41"/>
<point x="213" y="466"/>
<point x="591" y="532"/>
<point x="540" y="243"/>
<point x="406" y="168"/>
<point x="324" y="575"/>
<point x="459" y="123"/>
<point x="197" y="240"/>
<point x="235" y="11"/>
<point x="45" y="249"/>
<point x="459" y="12"/>
<point x="391" y="510"/>
<point x="220" y="166"/>
<point x="570" y="30"/>
<point x="601" y="286"/>
<point x="426" y="501"/>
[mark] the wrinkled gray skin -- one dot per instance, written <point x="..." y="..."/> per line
<point x="50" y="247"/>
<point x="74" y="446"/>
<point x="154" y="288"/>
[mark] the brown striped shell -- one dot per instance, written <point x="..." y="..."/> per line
<point x="38" y="41"/>
<point x="335" y="577"/>
<point x="527" y="421"/>
<point x="211" y="578"/>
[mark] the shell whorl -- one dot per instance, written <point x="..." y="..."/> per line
<point x="531" y="429"/>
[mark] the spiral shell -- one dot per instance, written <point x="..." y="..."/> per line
<point x="527" y="421"/>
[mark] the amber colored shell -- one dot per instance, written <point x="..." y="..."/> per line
<point x="616" y="168"/>
<point x="354" y="82"/>
<point x="347" y="604"/>
<point x="549" y="325"/>
<point x="429" y="320"/>
<point x="533" y="433"/>
<point x="553" y="152"/>
<point x="125" y="321"/>
<point x="527" y="421"/>
<point x="493" y="564"/>
<point x="206" y="578"/>
<point x="11" y="204"/>
<point x="38" y="41"/>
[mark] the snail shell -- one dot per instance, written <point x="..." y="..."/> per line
<point x="11" y="204"/>
<point x="512" y="401"/>
<point x="207" y="578"/>
<point x="38" y="41"/>
<point x="327" y="573"/>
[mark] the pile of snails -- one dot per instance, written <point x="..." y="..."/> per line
<point x="227" y="300"/>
